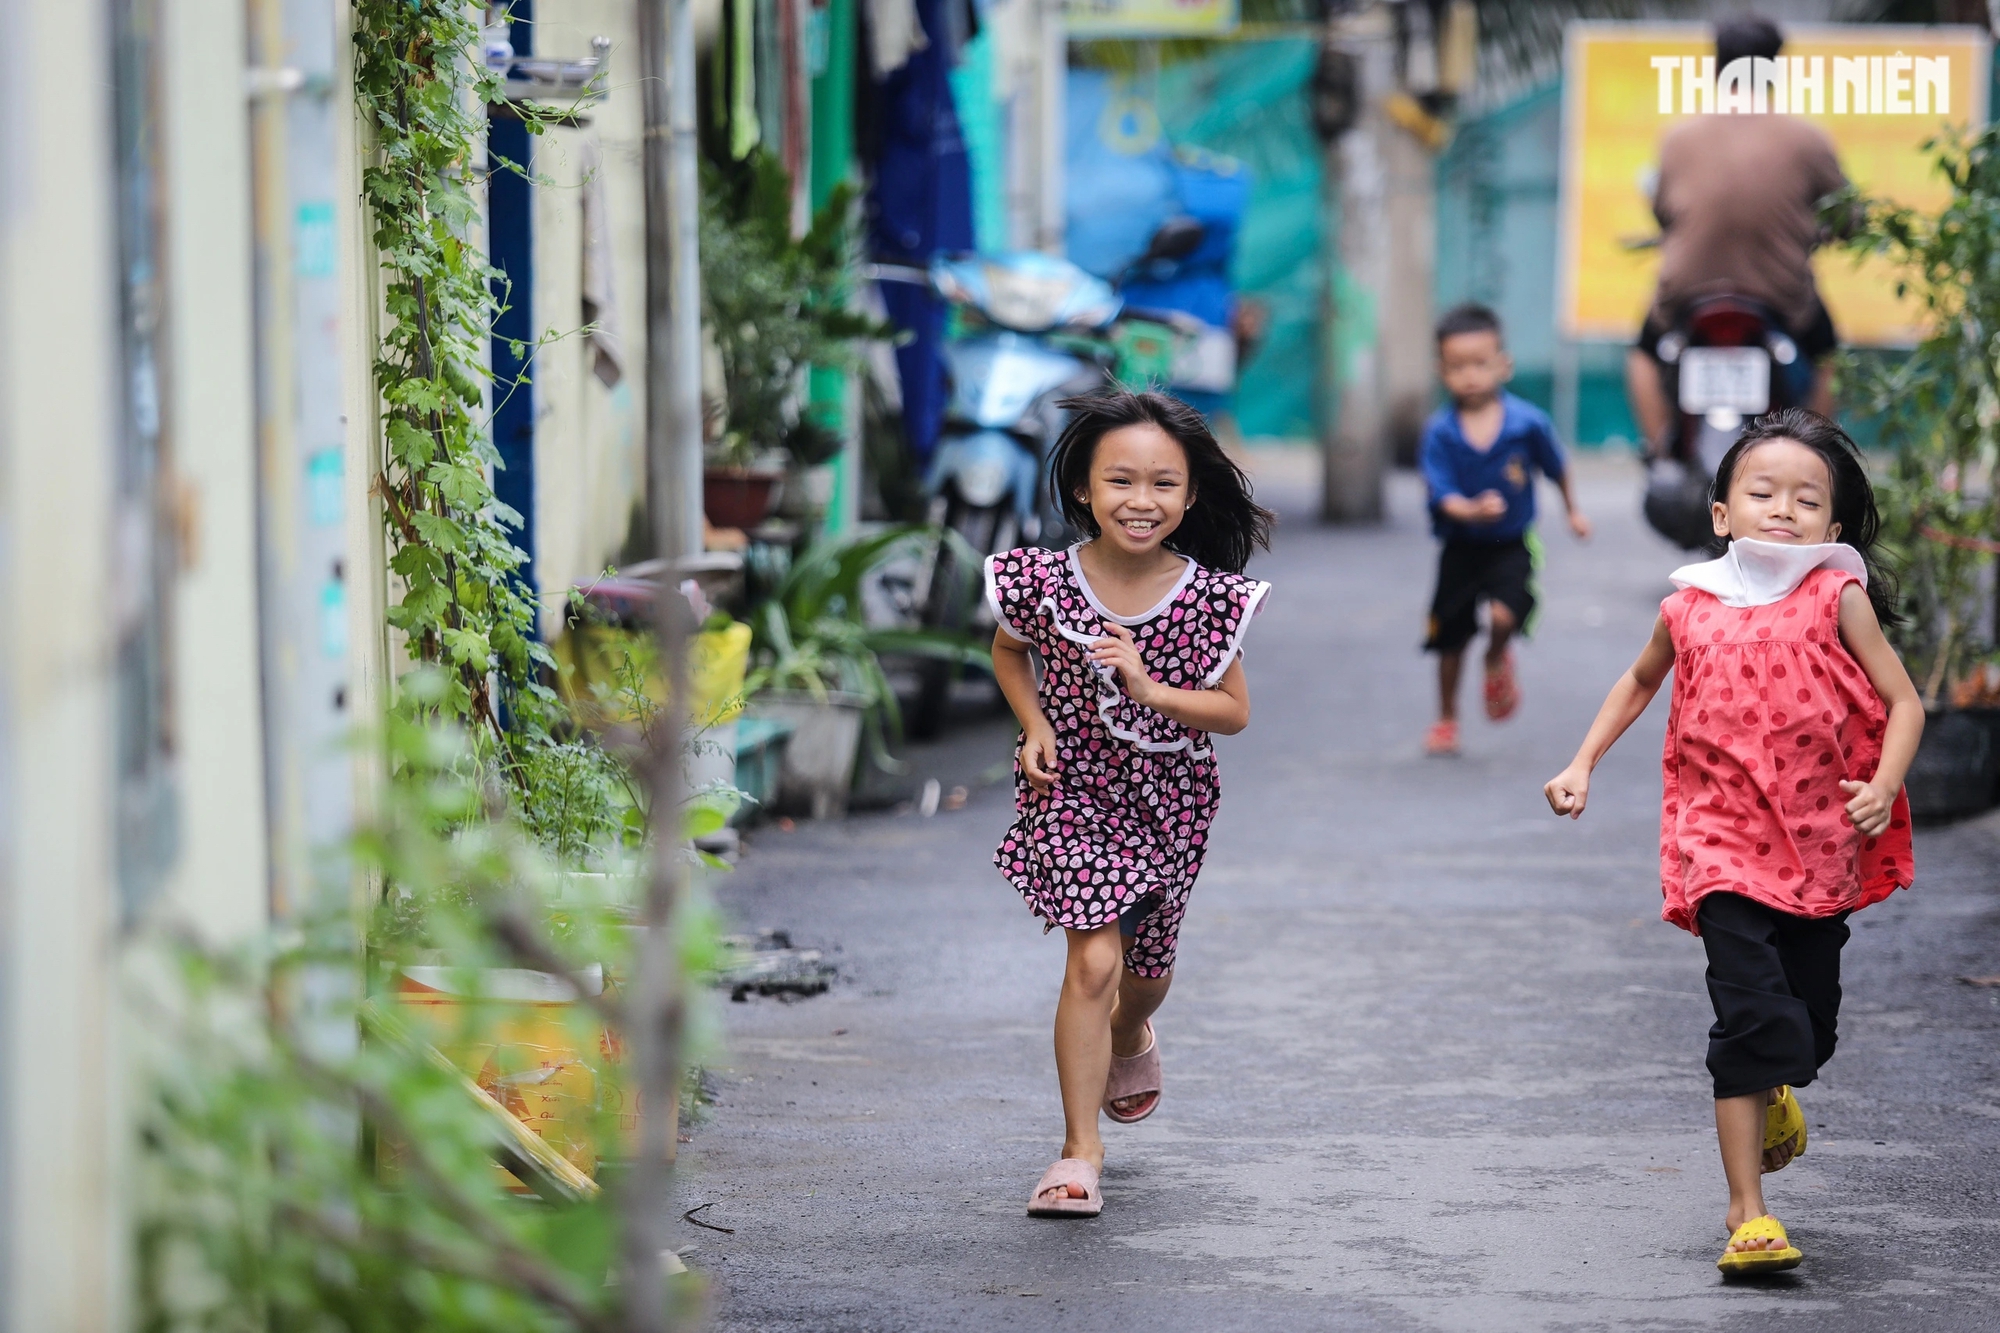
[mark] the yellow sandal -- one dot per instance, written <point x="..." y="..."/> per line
<point x="1783" y="1122"/>
<point x="1740" y="1263"/>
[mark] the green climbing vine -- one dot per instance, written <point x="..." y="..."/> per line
<point x="423" y="90"/>
<point x="316" y="1153"/>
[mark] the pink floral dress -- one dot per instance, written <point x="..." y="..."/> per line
<point x="1770" y="714"/>
<point x="1126" y="821"/>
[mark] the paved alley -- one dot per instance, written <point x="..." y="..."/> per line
<point x="1432" y="1061"/>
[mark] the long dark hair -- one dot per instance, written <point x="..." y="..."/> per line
<point x="1853" y="497"/>
<point x="1222" y="523"/>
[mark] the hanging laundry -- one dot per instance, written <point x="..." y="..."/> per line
<point x="982" y="118"/>
<point x="894" y="35"/>
<point x="744" y="130"/>
<point x="919" y="206"/>
<point x="771" y="81"/>
<point x="795" y="140"/>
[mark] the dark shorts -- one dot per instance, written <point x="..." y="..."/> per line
<point x="1815" y="340"/>
<point x="1774" y="980"/>
<point x="1135" y="916"/>
<point x="1471" y="572"/>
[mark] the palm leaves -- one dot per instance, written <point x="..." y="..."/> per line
<point x="811" y="633"/>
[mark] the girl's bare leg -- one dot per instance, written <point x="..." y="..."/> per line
<point x="1083" y="1036"/>
<point x="1138" y="999"/>
<point x="1739" y="1133"/>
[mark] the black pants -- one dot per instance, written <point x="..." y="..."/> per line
<point x="1774" y="979"/>
<point x="1471" y="572"/>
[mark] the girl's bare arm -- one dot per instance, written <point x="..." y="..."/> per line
<point x="1861" y="632"/>
<point x="1015" y="675"/>
<point x="1569" y="790"/>
<point x="1222" y="710"/>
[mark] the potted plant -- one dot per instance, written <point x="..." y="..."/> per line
<point x="774" y="307"/>
<point x="815" y="666"/>
<point x="1939" y="411"/>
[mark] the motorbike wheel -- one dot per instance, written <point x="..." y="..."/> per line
<point x="1676" y="505"/>
<point x="948" y="607"/>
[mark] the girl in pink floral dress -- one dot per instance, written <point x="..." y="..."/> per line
<point x="1792" y="726"/>
<point x="1139" y="630"/>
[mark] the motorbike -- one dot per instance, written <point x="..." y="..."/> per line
<point x="1033" y="330"/>
<point x="1728" y="359"/>
<point x="1032" y="333"/>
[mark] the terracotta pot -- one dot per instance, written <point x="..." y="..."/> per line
<point x="735" y="497"/>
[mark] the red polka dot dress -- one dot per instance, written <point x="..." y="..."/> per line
<point x="1126" y="821"/>
<point x="1770" y="714"/>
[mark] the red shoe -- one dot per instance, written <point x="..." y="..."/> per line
<point x="1503" y="692"/>
<point x="1441" y="739"/>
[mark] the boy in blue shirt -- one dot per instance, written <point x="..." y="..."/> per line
<point x="1479" y="455"/>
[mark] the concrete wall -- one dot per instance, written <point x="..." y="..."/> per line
<point x="59" y="401"/>
<point x="371" y="645"/>
<point x="589" y="459"/>
<point x="66" y="1039"/>
<point x="221" y="877"/>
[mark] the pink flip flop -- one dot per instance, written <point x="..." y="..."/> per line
<point x="1069" y="1171"/>
<point x="1134" y="1076"/>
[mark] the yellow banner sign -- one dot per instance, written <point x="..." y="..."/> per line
<point x="1149" y="18"/>
<point x="1878" y="91"/>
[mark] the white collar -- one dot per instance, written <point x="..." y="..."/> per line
<point x="1754" y="573"/>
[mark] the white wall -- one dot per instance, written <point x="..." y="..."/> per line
<point x="589" y="462"/>
<point x="220" y="882"/>
<point x="67" y="1038"/>
<point x="58" y="401"/>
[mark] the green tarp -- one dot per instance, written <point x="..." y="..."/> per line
<point x="1248" y="99"/>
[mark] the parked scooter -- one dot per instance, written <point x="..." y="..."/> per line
<point x="1727" y="360"/>
<point x="1036" y="329"/>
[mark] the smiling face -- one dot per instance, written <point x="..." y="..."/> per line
<point x="1473" y="366"/>
<point x="1138" y="488"/>
<point x="1781" y="492"/>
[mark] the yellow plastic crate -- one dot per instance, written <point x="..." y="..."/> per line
<point x="591" y="669"/>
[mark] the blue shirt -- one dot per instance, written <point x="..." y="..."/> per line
<point x="1526" y="445"/>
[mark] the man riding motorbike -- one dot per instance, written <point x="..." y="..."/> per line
<point x="1737" y="201"/>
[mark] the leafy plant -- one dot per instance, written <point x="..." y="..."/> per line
<point x="811" y="633"/>
<point x="285" y="1059"/>
<point x="313" y="1160"/>
<point x="775" y="306"/>
<point x="464" y="608"/>
<point x="609" y="676"/>
<point x="421" y="89"/>
<point x="1939" y="407"/>
<point x="578" y="800"/>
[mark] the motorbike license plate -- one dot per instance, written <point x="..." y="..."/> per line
<point x="1206" y="361"/>
<point x="1737" y="378"/>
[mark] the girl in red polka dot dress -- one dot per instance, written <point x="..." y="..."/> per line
<point x="1139" y="629"/>
<point x="1792" y="726"/>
